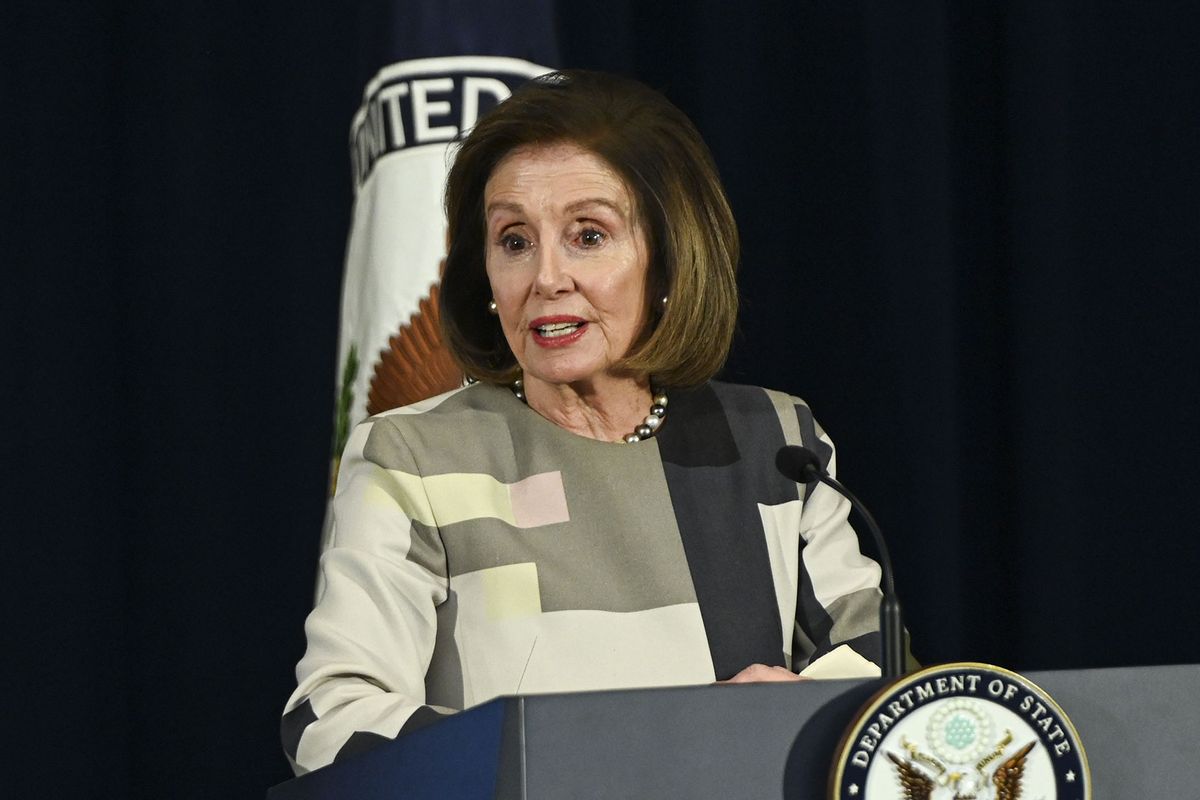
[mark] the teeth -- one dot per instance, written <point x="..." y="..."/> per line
<point x="557" y="329"/>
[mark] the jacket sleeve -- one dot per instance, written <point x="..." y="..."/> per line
<point x="371" y="635"/>
<point x="839" y="586"/>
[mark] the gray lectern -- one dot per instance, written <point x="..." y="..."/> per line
<point x="1140" y="727"/>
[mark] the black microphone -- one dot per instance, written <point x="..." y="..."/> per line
<point x="803" y="466"/>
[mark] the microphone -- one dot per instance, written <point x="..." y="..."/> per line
<point x="804" y="466"/>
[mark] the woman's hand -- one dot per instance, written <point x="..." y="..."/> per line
<point x="761" y="673"/>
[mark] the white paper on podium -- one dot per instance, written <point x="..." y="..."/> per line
<point x="841" y="662"/>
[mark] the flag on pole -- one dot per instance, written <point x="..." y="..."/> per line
<point x="441" y="65"/>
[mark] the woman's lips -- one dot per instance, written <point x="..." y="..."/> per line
<point x="557" y="331"/>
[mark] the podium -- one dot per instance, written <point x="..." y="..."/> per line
<point x="1140" y="727"/>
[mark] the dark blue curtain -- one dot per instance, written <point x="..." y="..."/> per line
<point x="971" y="242"/>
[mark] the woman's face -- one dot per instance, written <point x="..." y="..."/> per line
<point x="567" y="261"/>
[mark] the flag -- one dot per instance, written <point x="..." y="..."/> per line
<point x="441" y="65"/>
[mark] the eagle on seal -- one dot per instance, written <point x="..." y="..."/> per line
<point x="917" y="784"/>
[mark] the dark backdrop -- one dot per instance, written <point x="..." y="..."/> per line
<point x="971" y="241"/>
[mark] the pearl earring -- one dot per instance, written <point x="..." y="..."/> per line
<point x="493" y="309"/>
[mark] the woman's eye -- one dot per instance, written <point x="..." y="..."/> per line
<point x="513" y="243"/>
<point x="591" y="237"/>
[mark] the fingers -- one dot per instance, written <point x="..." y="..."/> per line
<point x="761" y="673"/>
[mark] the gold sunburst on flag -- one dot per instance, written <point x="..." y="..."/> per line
<point x="416" y="364"/>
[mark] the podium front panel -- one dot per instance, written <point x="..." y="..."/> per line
<point x="1139" y="726"/>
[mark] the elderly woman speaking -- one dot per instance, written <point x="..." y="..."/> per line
<point x="593" y="511"/>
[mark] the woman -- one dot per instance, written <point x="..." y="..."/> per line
<point x="594" y="512"/>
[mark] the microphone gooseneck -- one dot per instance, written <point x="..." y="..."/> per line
<point x="804" y="466"/>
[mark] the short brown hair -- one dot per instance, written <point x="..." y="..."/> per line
<point x="677" y="196"/>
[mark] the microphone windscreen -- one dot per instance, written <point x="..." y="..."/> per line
<point x="798" y="464"/>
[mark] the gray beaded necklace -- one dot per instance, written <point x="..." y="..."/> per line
<point x="658" y="413"/>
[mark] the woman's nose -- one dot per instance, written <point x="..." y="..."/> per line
<point x="553" y="276"/>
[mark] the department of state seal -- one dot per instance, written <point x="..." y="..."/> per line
<point x="961" y="732"/>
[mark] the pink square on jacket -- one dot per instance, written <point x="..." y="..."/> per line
<point x="539" y="500"/>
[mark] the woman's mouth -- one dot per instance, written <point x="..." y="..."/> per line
<point x="557" y="331"/>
